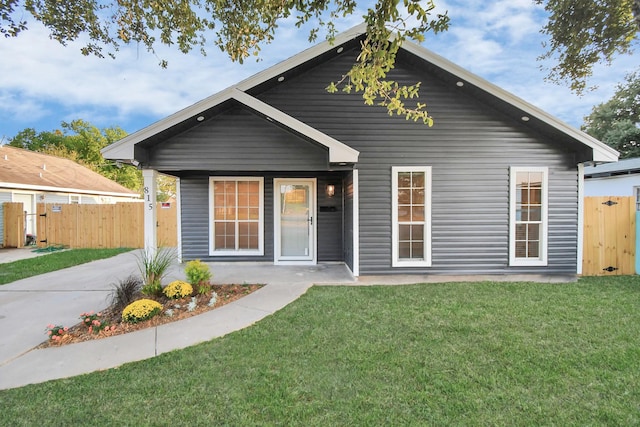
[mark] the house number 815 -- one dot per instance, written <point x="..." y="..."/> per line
<point x="148" y="197"/>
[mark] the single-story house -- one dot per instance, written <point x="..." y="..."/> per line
<point x="621" y="178"/>
<point x="29" y="178"/>
<point x="275" y="169"/>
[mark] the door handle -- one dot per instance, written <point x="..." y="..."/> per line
<point x="310" y="219"/>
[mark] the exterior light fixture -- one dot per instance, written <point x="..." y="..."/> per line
<point x="525" y="118"/>
<point x="200" y="118"/>
<point x="340" y="49"/>
<point x="459" y="84"/>
<point x="281" y="78"/>
<point x="330" y="190"/>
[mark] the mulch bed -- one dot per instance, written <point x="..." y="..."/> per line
<point x="179" y="307"/>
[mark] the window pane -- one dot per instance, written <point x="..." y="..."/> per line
<point x="417" y="250"/>
<point x="404" y="250"/>
<point x="417" y="197"/>
<point x="404" y="213"/>
<point x="417" y="180"/>
<point x="534" y="250"/>
<point x="405" y="232"/>
<point x="521" y="232"/>
<point x="417" y="213"/>
<point x="521" y="249"/>
<point x="404" y="179"/>
<point x="535" y="214"/>
<point x="404" y="197"/>
<point x="417" y="232"/>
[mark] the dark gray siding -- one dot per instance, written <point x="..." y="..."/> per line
<point x="237" y="140"/>
<point x="330" y="220"/>
<point x="470" y="147"/>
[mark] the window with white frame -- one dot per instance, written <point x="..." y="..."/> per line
<point x="236" y="218"/>
<point x="75" y="199"/>
<point x="411" y="216"/>
<point x="528" y="222"/>
<point x="636" y="193"/>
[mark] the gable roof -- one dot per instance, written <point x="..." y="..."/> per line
<point x="30" y="170"/>
<point x="534" y="116"/>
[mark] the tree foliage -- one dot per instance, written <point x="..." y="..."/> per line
<point x="617" y="121"/>
<point x="239" y="28"/>
<point x="586" y="32"/>
<point x="81" y="142"/>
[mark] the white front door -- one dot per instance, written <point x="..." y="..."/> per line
<point x="295" y="220"/>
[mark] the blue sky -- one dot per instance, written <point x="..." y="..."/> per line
<point x="44" y="83"/>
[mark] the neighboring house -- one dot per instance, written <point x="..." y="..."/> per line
<point x="621" y="178"/>
<point x="277" y="170"/>
<point x="30" y="178"/>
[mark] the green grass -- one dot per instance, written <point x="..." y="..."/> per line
<point x="12" y="271"/>
<point x="499" y="354"/>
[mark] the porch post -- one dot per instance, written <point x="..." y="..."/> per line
<point x="150" y="211"/>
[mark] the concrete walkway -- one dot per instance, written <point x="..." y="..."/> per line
<point x="28" y="306"/>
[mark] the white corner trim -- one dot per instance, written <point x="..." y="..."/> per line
<point x="580" y="243"/>
<point x="356" y="223"/>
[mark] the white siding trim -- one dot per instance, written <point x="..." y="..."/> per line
<point x="179" y="218"/>
<point x="356" y="224"/>
<point x="395" y="262"/>
<point x="260" y="250"/>
<point x="544" y="239"/>
<point x="580" y="248"/>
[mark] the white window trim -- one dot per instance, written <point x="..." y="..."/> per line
<point x="395" y="262"/>
<point x="260" y="250"/>
<point x="71" y="202"/>
<point x="542" y="259"/>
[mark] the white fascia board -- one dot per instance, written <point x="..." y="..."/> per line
<point x="14" y="186"/>
<point x="601" y="151"/>
<point x="338" y="152"/>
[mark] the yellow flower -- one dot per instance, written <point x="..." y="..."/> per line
<point x="178" y="289"/>
<point x="140" y="310"/>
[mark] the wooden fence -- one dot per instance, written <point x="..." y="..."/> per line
<point x="609" y="236"/>
<point x="90" y="226"/>
<point x="14" y="226"/>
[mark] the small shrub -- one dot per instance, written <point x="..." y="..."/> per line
<point x="177" y="289"/>
<point x="93" y="322"/>
<point x="140" y="310"/>
<point x="198" y="274"/>
<point x="125" y="292"/>
<point x="56" y="332"/>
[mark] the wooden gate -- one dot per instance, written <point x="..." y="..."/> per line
<point x="609" y="236"/>
<point x="14" y="226"/>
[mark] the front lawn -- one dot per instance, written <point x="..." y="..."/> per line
<point x="432" y="354"/>
<point x="16" y="270"/>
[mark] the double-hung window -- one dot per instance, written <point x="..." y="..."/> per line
<point x="411" y="216"/>
<point x="528" y="222"/>
<point x="237" y="211"/>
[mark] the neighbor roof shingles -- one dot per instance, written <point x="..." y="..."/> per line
<point x="29" y="168"/>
